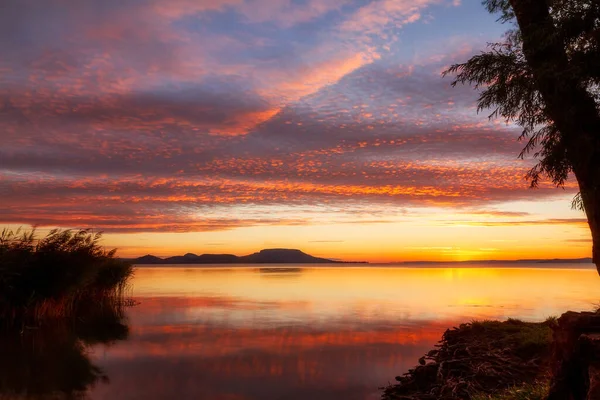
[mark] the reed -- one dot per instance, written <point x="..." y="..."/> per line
<point x="64" y="274"/>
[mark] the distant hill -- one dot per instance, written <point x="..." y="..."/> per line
<point x="267" y="256"/>
<point x="293" y="256"/>
<point x="191" y="258"/>
<point x="522" y="261"/>
<point x="282" y="256"/>
<point x="147" y="259"/>
<point x="566" y="260"/>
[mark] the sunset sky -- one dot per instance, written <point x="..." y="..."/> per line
<point x="227" y="126"/>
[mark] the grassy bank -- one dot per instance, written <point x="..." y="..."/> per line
<point x="58" y="276"/>
<point x="482" y="360"/>
<point x="529" y="391"/>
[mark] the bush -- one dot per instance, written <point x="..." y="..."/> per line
<point x="55" y="275"/>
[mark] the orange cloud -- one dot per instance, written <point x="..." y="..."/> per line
<point x="579" y="222"/>
<point x="242" y="124"/>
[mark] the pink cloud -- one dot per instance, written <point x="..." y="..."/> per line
<point x="374" y="17"/>
<point x="285" y="12"/>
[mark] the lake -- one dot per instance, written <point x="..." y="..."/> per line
<point x="304" y="332"/>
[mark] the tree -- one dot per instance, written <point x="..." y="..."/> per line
<point x="545" y="77"/>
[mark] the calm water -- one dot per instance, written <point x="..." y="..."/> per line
<point x="310" y="333"/>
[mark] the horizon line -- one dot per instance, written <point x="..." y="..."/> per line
<point x="340" y="260"/>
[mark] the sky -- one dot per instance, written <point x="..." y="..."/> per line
<point x="228" y="126"/>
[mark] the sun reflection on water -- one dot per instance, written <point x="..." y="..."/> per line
<point x="319" y="333"/>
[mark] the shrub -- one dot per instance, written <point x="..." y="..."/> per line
<point x="55" y="275"/>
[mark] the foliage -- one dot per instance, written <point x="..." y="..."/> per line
<point x="525" y="339"/>
<point x="507" y="85"/>
<point x="58" y="274"/>
<point x="530" y="391"/>
<point x="479" y="358"/>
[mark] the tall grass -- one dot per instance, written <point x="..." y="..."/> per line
<point x="57" y="276"/>
<point x="529" y="391"/>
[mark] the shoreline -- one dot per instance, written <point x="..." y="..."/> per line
<point x="433" y="266"/>
<point x="491" y="360"/>
<point x="481" y="360"/>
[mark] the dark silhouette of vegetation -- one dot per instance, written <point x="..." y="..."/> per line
<point x="52" y="361"/>
<point x="545" y="77"/>
<point x="64" y="274"/>
<point x="480" y="360"/>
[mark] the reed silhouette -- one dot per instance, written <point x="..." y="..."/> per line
<point x="64" y="274"/>
<point x="52" y="361"/>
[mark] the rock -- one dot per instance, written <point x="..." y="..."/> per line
<point x="594" y="390"/>
<point x="575" y="363"/>
<point x="590" y="347"/>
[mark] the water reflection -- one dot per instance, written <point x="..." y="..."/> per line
<point x="280" y="272"/>
<point x="216" y="355"/>
<point x="53" y="361"/>
<point x="238" y="334"/>
<point x="320" y="333"/>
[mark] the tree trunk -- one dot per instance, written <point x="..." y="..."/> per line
<point x="568" y="103"/>
<point x="591" y="202"/>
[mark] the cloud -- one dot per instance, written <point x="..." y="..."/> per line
<point x="374" y="17"/>
<point x="585" y="241"/>
<point x="308" y="80"/>
<point x="497" y="213"/>
<point x="175" y="204"/>
<point x="581" y="222"/>
<point x="139" y="115"/>
<point x="286" y="13"/>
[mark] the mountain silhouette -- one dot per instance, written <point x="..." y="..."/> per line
<point x="266" y="256"/>
<point x="282" y="256"/>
